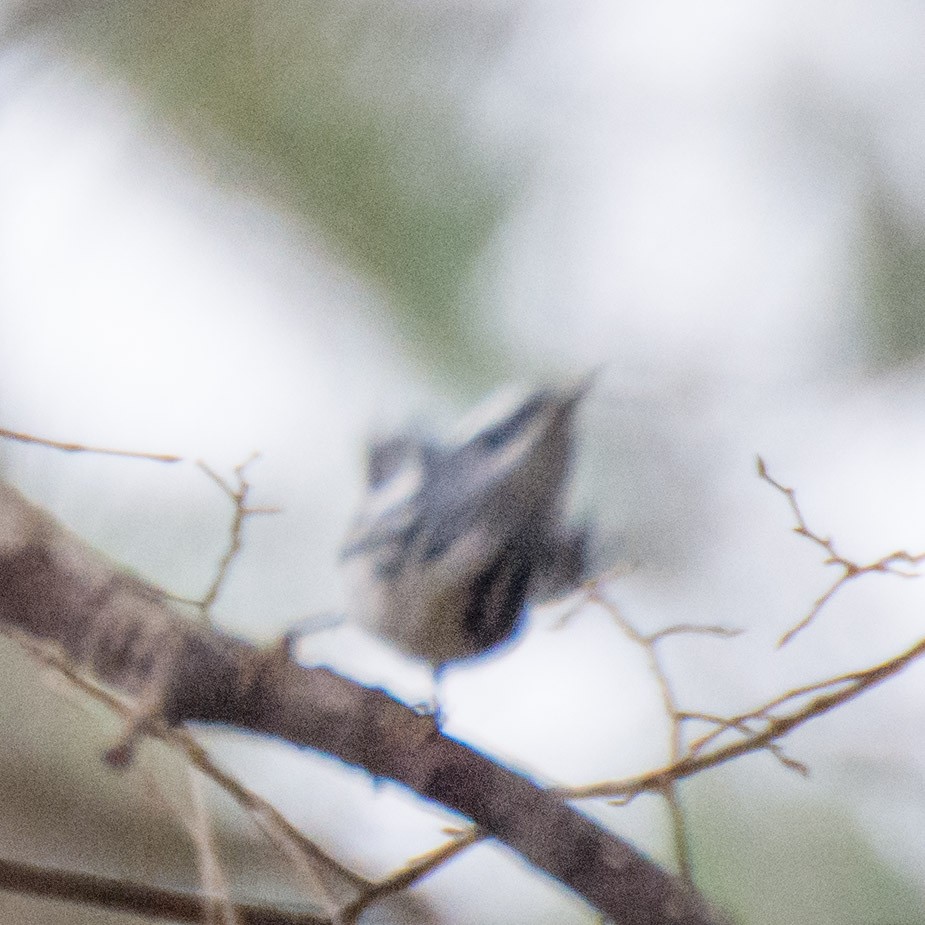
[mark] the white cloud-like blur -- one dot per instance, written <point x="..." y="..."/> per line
<point x="690" y="222"/>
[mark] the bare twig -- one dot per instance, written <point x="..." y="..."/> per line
<point x="739" y="725"/>
<point x="591" y="592"/>
<point x="238" y="497"/>
<point x="757" y="730"/>
<point x="138" y="898"/>
<point x="306" y="855"/>
<point x="314" y="865"/>
<point x="694" y="629"/>
<point x="414" y="870"/>
<point x="216" y="900"/>
<point x="849" y="569"/>
<point x="669" y="702"/>
<point x="83" y="448"/>
<point x="649" y="643"/>
<point x="56" y="588"/>
<point x="830" y="693"/>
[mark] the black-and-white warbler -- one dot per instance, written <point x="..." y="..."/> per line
<point x="455" y="537"/>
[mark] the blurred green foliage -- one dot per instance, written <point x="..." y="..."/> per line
<point x="778" y="861"/>
<point x="356" y="116"/>
<point x="894" y="274"/>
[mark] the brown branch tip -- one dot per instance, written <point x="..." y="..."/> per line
<point x="20" y="437"/>
<point x="850" y="569"/>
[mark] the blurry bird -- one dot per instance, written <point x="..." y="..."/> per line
<point x="454" y="538"/>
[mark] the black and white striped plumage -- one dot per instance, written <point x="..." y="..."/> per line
<point x="455" y="537"/>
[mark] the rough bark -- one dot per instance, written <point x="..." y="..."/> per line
<point x="55" y="587"/>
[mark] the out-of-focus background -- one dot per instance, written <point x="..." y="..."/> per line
<point x="239" y="226"/>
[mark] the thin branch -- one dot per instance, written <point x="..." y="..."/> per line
<point x="591" y="592"/>
<point x="84" y="448"/>
<point x="649" y="643"/>
<point x="737" y="724"/>
<point x="138" y="898"/>
<point x="311" y="861"/>
<point x="313" y="864"/>
<point x="270" y="820"/>
<point x="849" y="569"/>
<point x="849" y="687"/>
<point x="218" y="908"/>
<point x="57" y="588"/>
<point x="238" y="496"/>
<point x="694" y="629"/>
<point x="410" y="873"/>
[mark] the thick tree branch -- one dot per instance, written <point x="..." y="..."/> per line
<point x="56" y="588"/>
